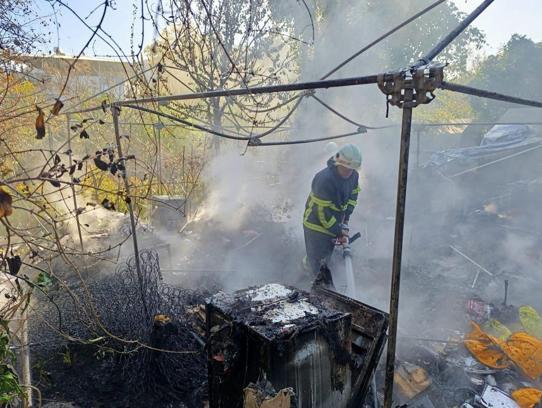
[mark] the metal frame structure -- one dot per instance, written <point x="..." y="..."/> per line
<point x="406" y="89"/>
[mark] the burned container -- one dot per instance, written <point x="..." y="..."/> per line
<point x="367" y="337"/>
<point x="291" y="339"/>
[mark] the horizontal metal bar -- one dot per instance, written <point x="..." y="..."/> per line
<point x="488" y="94"/>
<point x="300" y="86"/>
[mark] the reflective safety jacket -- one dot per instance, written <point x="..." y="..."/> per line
<point x="331" y="201"/>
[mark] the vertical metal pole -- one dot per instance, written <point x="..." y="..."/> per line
<point x="398" y="245"/>
<point x="122" y="160"/>
<point x="72" y="186"/>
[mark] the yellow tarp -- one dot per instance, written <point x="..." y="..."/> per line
<point x="524" y="350"/>
<point x="531" y="321"/>
<point x="485" y="348"/>
<point x="527" y="397"/>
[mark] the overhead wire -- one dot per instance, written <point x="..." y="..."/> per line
<point x="187" y="123"/>
<point x="304" y="141"/>
<point x="347" y="119"/>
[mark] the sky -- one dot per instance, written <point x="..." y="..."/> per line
<point x="502" y="19"/>
<point x="506" y="17"/>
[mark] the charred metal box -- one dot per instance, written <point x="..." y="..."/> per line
<point x="288" y="337"/>
<point x="367" y="337"/>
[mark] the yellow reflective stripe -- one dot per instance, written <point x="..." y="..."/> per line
<point x="317" y="228"/>
<point x="322" y="218"/>
<point x="320" y="202"/>
<point x="353" y="203"/>
<point x="356" y="190"/>
<point x="325" y="203"/>
<point x="307" y="212"/>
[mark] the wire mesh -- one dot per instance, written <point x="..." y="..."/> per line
<point x="145" y="361"/>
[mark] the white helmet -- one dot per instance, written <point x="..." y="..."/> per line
<point x="349" y="156"/>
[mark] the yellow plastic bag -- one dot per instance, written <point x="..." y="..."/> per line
<point x="485" y="348"/>
<point x="526" y="352"/>
<point x="527" y="397"/>
<point x="531" y="321"/>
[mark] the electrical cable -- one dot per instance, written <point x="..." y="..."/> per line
<point x="303" y="141"/>
<point x="324" y="104"/>
<point x="203" y="128"/>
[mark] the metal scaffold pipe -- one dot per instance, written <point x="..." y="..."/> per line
<point x="383" y="37"/>
<point x="398" y="245"/>
<point x="437" y="49"/>
<point x="489" y="94"/>
<point x="300" y="86"/>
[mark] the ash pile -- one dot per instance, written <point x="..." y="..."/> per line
<point x="309" y="347"/>
<point x="123" y="340"/>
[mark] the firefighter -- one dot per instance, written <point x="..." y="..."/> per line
<point x="333" y="197"/>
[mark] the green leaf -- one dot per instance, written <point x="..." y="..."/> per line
<point x="43" y="280"/>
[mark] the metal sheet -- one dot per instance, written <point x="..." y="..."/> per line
<point x="492" y="397"/>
